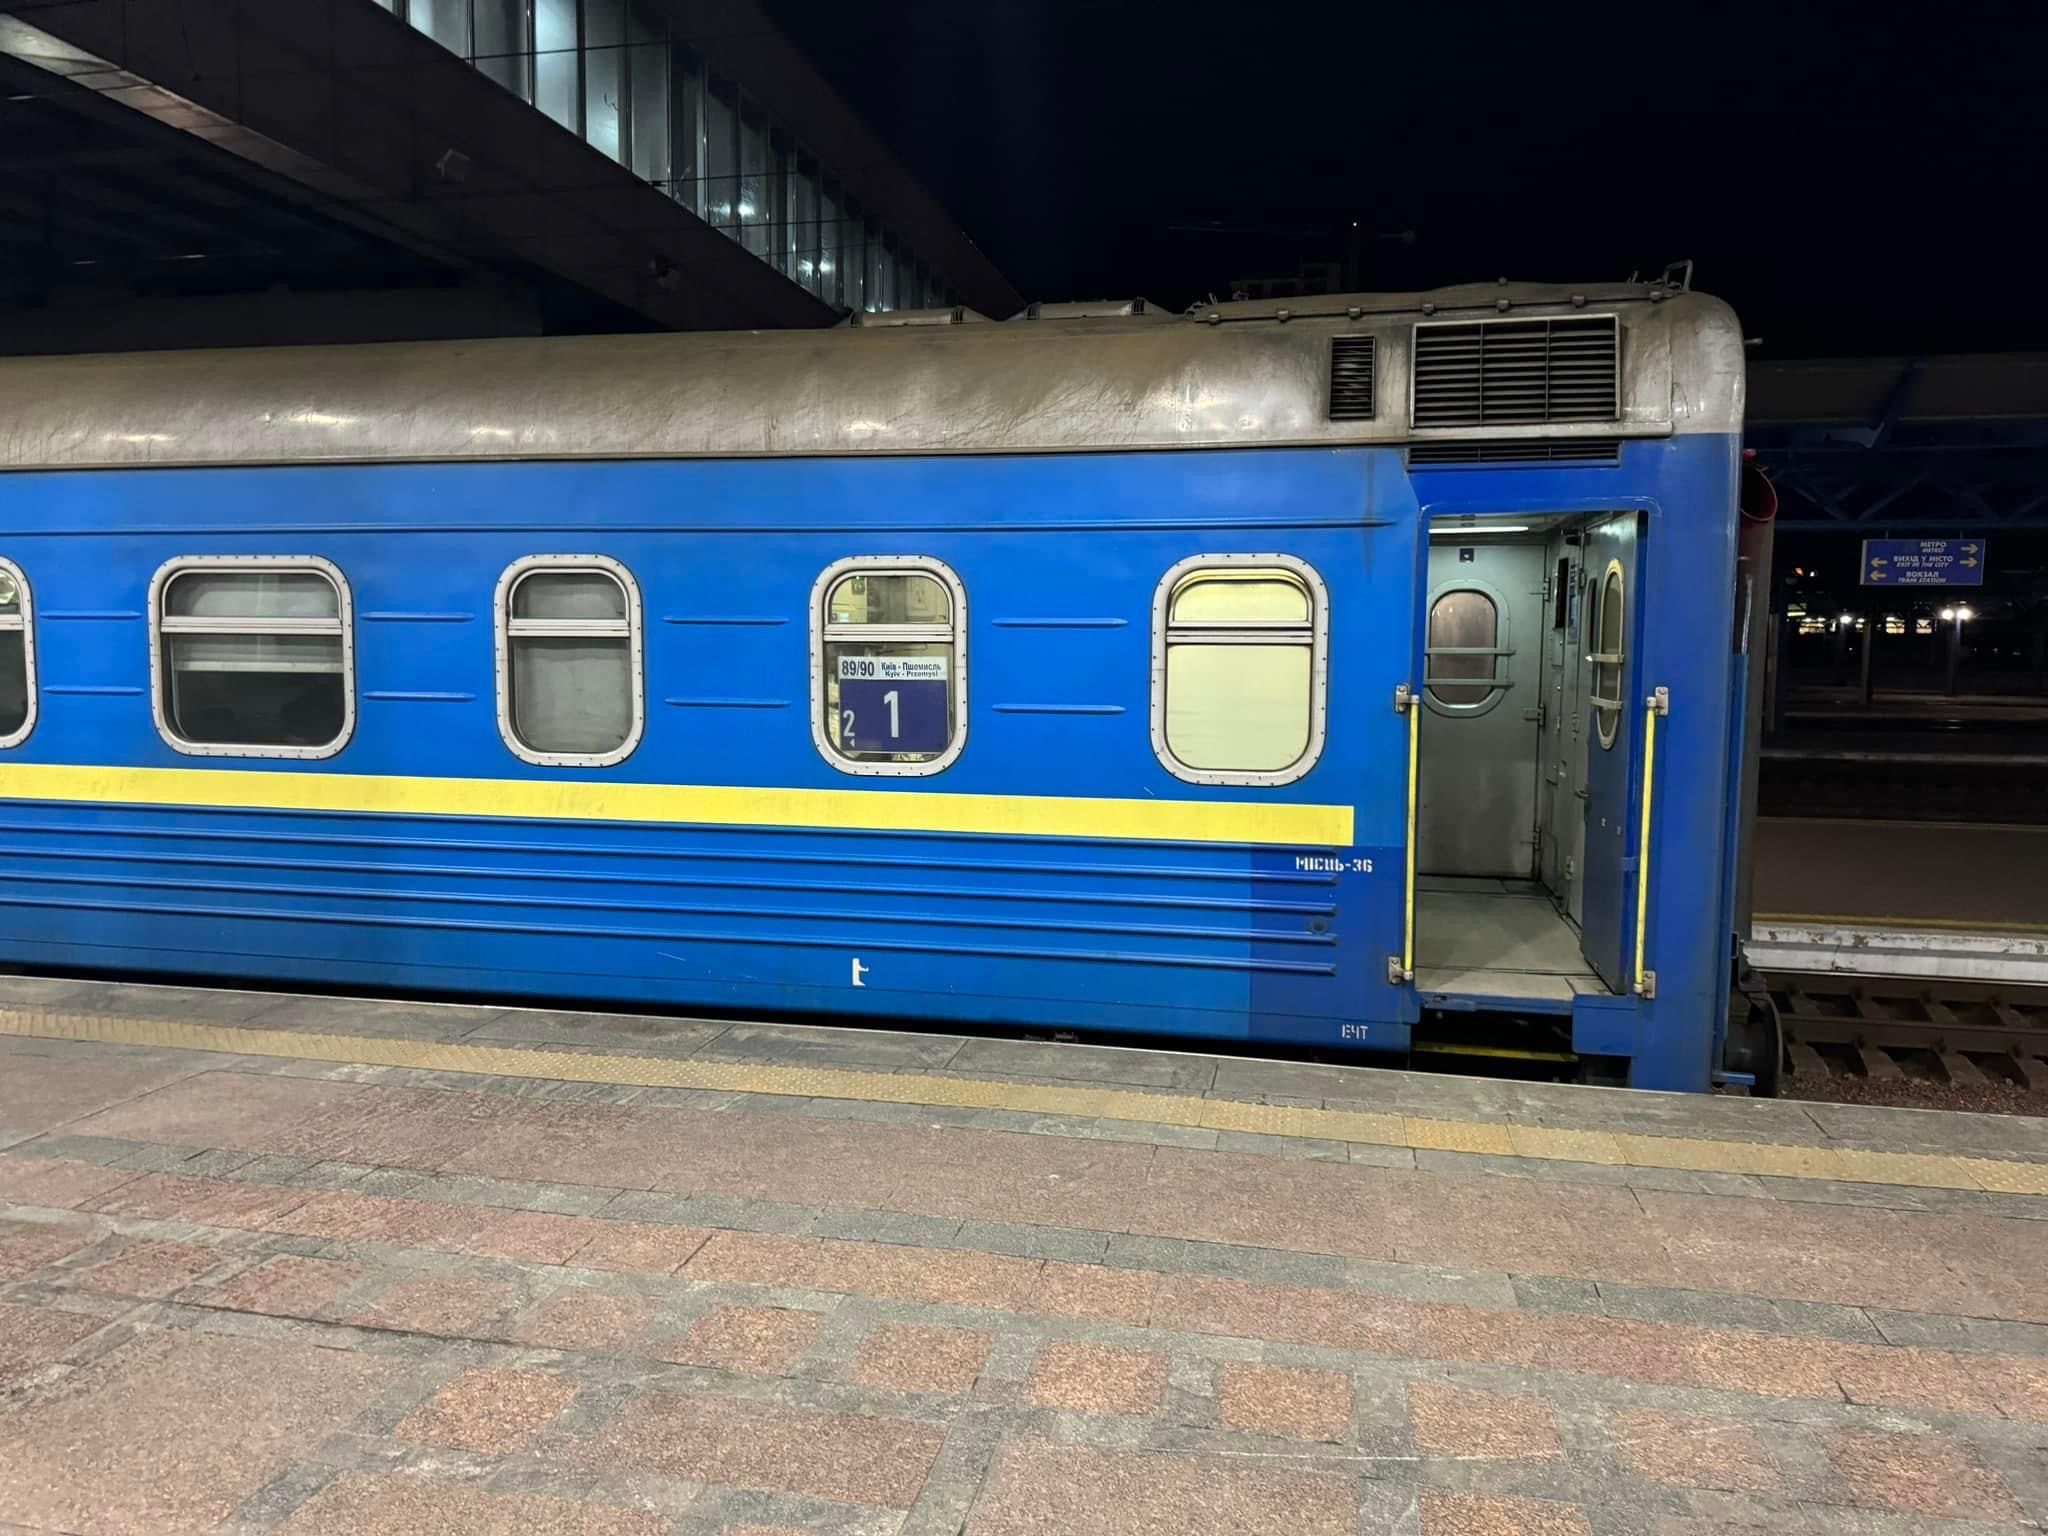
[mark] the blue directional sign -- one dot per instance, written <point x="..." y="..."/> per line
<point x="1924" y="562"/>
<point x="894" y="704"/>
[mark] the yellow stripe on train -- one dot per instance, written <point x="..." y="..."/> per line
<point x="1165" y="821"/>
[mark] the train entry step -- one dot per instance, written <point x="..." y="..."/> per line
<point x="1499" y="939"/>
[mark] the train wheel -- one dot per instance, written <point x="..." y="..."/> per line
<point x="1756" y="1042"/>
<point x="1768" y="1059"/>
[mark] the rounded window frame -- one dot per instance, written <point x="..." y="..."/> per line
<point x="27" y="616"/>
<point x="508" y="583"/>
<point x="821" y="589"/>
<point x="1607" y="712"/>
<point x="1500" y="682"/>
<point x="344" y="615"/>
<point x="1319" y="671"/>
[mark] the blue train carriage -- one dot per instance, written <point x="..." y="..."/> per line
<point x="1285" y="674"/>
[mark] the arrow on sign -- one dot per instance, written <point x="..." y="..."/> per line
<point x="1969" y="562"/>
<point x="1969" y="549"/>
<point x="1878" y="561"/>
<point x="1876" y="575"/>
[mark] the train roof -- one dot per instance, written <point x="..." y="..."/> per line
<point x="1075" y="378"/>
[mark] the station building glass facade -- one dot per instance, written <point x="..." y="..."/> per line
<point x="612" y="72"/>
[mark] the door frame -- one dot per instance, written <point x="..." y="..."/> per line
<point x="1505" y="509"/>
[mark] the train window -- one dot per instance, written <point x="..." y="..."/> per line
<point x="1239" y="669"/>
<point x="252" y="656"/>
<point x="1607" y="658"/>
<point x="1464" y="647"/>
<point x="569" y="660"/>
<point x="889" y="665"/>
<point x="17" y="657"/>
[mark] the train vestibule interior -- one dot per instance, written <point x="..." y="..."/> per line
<point x="1523" y="764"/>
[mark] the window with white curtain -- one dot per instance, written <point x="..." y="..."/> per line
<point x="1239" y="669"/>
<point x="569" y="660"/>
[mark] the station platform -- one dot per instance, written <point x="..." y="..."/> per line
<point x="313" y="1266"/>
<point x="1940" y="900"/>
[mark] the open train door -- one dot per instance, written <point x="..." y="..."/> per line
<point x="1614" y="599"/>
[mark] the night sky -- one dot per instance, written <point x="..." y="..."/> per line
<point x="1857" y="179"/>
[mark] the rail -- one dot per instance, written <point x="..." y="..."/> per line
<point x="1402" y="969"/>
<point x="1656" y="705"/>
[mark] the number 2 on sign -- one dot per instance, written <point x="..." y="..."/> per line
<point x="895" y="702"/>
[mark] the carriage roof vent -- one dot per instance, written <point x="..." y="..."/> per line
<point x="1351" y="369"/>
<point x="1517" y="450"/>
<point x="1506" y="373"/>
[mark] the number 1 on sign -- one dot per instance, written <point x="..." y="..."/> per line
<point x="895" y="720"/>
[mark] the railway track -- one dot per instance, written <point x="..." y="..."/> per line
<point x="1967" y="1033"/>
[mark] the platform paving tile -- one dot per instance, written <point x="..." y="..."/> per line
<point x="147" y="1268"/>
<point x="1445" y="1513"/>
<point x="1693" y="1450"/>
<point x="174" y="1432"/>
<point x="652" y="1033"/>
<point x="762" y="1341"/>
<point x="1097" y="1379"/>
<point x="416" y="1506"/>
<point x="583" y="1317"/>
<point x="1482" y="1426"/>
<point x="913" y="1357"/>
<point x="1919" y="1474"/>
<point x="807" y="1044"/>
<point x="26" y="1246"/>
<point x="56" y="1183"/>
<point x="848" y="1457"/>
<point x="1039" y="1487"/>
<point x="42" y="1094"/>
<point x="288" y="1285"/>
<point x="33" y="1336"/>
<point x="446" y="1304"/>
<point x="1058" y="1062"/>
<point x="492" y="1411"/>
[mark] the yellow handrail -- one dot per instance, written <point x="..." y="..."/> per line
<point x="1408" y="915"/>
<point x="1658" y="703"/>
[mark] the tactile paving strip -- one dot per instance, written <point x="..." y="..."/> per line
<point x="1847" y="1165"/>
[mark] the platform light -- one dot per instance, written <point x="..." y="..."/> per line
<point x="1848" y="618"/>
<point x="1948" y="615"/>
<point x="1965" y="615"/>
<point x="1923" y="626"/>
<point x="1468" y="529"/>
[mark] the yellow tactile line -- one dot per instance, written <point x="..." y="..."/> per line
<point x="1363" y="1126"/>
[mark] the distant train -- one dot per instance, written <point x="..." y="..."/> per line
<point x="1292" y="674"/>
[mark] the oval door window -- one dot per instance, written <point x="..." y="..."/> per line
<point x="1464" y="640"/>
<point x="1608" y="657"/>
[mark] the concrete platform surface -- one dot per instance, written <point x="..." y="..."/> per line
<point x="274" y="1264"/>
<point x="1902" y="874"/>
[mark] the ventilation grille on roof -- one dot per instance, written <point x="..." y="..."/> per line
<point x="1520" y="450"/>
<point x="1351" y="360"/>
<point x="1501" y="373"/>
